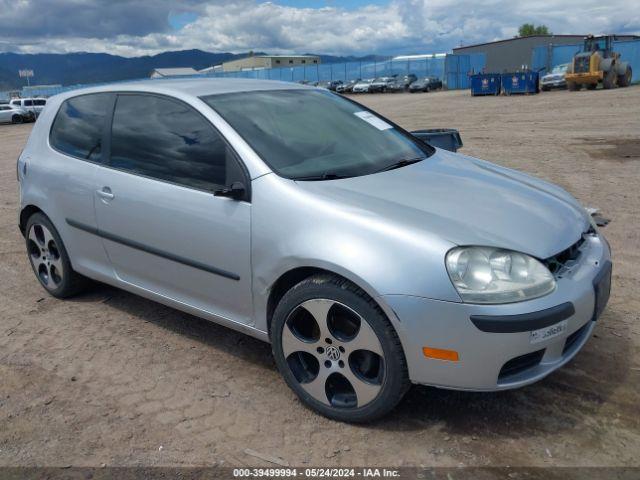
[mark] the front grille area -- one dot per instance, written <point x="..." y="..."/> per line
<point x="556" y="263"/>
<point x="520" y="364"/>
<point x="574" y="338"/>
<point x="582" y="64"/>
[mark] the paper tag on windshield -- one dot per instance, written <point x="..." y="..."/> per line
<point x="371" y="119"/>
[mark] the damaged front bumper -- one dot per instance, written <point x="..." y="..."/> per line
<point x="493" y="357"/>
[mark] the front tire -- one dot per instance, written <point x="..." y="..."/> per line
<point x="609" y="80"/>
<point x="49" y="259"/>
<point x="17" y="119"/>
<point x="337" y="350"/>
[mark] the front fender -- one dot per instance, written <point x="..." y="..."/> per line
<point x="621" y="68"/>
<point x="292" y="228"/>
<point x="606" y="64"/>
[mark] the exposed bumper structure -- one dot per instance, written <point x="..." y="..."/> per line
<point x="495" y="344"/>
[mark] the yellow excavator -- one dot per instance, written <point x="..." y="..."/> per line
<point x="598" y="63"/>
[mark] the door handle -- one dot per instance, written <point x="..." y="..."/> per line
<point x="105" y="193"/>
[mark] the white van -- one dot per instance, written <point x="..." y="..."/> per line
<point x="34" y="105"/>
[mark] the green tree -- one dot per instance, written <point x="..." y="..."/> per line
<point x="527" y="29"/>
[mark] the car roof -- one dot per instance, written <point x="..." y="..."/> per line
<point x="191" y="86"/>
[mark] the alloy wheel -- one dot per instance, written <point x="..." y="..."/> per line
<point x="44" y="255"/>
<point x="333" y="353"/>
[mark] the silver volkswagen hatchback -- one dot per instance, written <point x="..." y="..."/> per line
<point x="369" y="259"/>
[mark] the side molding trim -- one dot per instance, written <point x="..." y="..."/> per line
<point x="152" y="250"/>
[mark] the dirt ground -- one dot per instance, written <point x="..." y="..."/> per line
<point x="111" y="378"/>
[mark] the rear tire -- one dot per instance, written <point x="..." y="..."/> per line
<point x="17" y="119"/>
<point x="49" y="259"/>
<point x="624" y="80"/>
<point x="337" y="350"/>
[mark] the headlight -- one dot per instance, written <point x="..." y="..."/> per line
<point x="493" y="275"/>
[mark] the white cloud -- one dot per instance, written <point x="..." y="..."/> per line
<point x="406" y="26"/>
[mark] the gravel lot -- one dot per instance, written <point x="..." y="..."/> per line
<point x="111" y="378"/>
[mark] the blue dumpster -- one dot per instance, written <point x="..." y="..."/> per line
<point x="520" y="82"/>
<point x="485" y="84"/>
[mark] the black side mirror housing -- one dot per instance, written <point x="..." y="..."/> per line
<point x="445" y="138"/>
<point x="236" y="191"/>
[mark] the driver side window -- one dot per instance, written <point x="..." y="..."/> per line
<point x="167" y="140"/>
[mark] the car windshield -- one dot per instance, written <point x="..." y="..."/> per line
<point x="315" y="135"/>
<point x="559" y="69"/>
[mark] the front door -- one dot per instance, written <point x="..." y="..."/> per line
<point x="163" y="229"/>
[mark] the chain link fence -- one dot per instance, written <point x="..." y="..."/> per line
<point x="453" y="70"/>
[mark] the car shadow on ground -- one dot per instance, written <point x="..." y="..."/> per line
<point x="562" y="401"/>
<point x="203" y="331"/>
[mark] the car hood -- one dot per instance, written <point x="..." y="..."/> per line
<point x="553" y="76"/>
<point x="465" y="201"/>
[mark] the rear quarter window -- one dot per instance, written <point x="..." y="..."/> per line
<point x="79" y="124"/>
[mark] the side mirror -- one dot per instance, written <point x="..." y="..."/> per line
<point x="445" y="138"/>
<point x="235" y="191"/>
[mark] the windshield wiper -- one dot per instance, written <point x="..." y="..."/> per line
<point x="323" y="176"/>
<point x="400" y="163"/>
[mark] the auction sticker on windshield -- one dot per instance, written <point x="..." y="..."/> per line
<point x="371" y="119"/>
<point x="546" y="333"/>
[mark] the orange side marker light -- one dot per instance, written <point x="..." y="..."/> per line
<point x="440" y="354"/>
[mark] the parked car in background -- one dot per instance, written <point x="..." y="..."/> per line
<point x="396" y="86"/>
<point x="13" y="114"/>
<point x="362" y="86"/>
<point x="554" y="79"/>
<point x="409" y="79"/>
<point x="369" y="259"/>
<point x="35" y="105"/>
<point x="330" y="84"/>
<point x="334" y="85"/>
<point x="425" y="84"/>
<point x="347" y="87"/>
<point x="401" y="84"/>
<point x="380" y="84"/>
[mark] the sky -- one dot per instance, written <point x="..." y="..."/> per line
<point x="338" y="27"/>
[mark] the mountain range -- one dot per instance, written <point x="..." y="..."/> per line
<point x="82" y="67"/>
